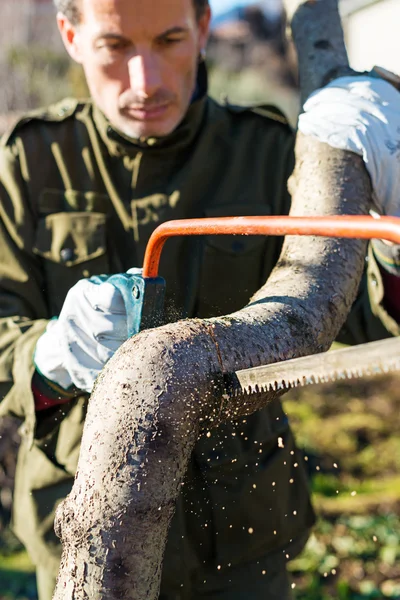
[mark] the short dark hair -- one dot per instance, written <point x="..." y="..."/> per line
<point x="70" y="8"/>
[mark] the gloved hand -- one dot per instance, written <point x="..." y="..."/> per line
<point x="75" y="346"/>
<point x="361" y="114"/>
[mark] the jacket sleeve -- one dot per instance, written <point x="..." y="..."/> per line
<point x="369" y="320"/>
<point x="23" y="310"/>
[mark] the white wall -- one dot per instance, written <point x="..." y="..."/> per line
<point x="373" y="36"/>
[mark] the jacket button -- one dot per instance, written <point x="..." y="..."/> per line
<point x="112" y="134"/>
<point x="66" y="255"/>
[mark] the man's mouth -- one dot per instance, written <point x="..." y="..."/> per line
<point x="147" y="113"/>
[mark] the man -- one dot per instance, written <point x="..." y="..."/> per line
<point x="83" y="185"/>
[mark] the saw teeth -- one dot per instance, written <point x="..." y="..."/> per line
<point x="356" y="372"/>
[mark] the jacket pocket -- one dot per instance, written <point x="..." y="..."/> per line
<point x="72" y="246"/>
<point x="232" y="266"/>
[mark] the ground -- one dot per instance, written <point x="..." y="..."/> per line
<point x="350" y="434"/>
<point x="351" y="441"/>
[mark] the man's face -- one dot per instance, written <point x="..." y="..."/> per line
<point x="140" y="59"/>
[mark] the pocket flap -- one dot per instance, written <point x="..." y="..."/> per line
<point x="71" y="238"/>
<point x="56" y="201"/>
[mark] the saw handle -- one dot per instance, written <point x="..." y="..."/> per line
<point x="360" y="227"/>
<point x="143" y="298"/>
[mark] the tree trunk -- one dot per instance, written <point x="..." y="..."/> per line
<point x="165" y="386"/>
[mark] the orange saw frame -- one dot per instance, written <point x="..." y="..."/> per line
<point x="359" y="227"/>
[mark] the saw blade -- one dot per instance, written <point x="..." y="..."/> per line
<point x="364" y="360"/>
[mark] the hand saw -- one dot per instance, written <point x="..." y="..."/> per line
<point x="144" y="294"/>
<point x="364" y="360"/>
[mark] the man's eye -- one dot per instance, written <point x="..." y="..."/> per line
<point x="169" y="41"/>
<point x="116" y="46"/>
<point x="113" y="46"/>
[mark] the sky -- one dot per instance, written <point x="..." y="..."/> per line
<point x="220" y="6"/>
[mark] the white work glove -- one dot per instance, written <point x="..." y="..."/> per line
<point x="75" y="346"/>
<point x="361" y="114"/>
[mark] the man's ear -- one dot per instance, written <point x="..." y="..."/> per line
<point x="70" y="37"/>
<point x="204" y="28"/>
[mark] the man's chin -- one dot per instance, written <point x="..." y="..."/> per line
<point x="141" y="129"/>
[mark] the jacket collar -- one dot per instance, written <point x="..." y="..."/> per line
<point x="118" y="144"/>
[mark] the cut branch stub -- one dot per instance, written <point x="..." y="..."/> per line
<point x="318" y="37"/>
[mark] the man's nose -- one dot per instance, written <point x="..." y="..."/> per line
<point x="144" y="75"/>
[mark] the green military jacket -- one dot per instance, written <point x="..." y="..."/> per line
<point x="78" y="199"/>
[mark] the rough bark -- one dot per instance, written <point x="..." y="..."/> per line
<point x="317" y="33"/>
<point x="165" y="386"/>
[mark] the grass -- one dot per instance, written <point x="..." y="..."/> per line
<point x="351" y="441"/>
<point x="17" y="577"/>
<point x="17" y="573"/>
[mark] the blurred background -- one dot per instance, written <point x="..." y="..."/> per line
<point x="349" y="433"/>
<point x="248" y="56"/>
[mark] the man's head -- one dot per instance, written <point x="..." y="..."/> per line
<point x="139" y="57"/>
<point x="72" y="10"/>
